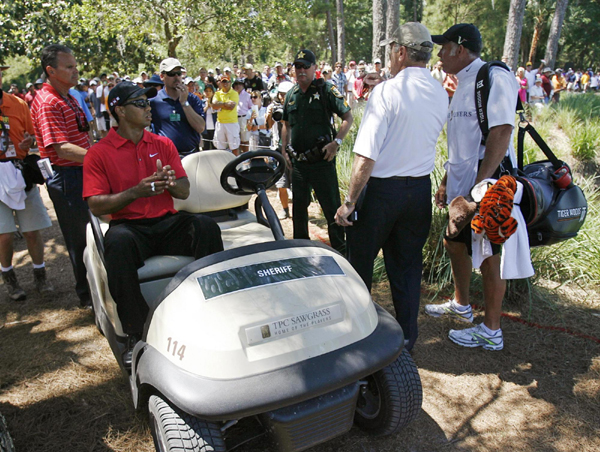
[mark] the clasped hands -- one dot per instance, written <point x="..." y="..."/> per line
<point x="161" y="180"/>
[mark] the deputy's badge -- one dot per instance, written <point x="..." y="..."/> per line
<point x="316" y="96"/>
<point x="336" y="93"/>
<point x="300" y="55"/>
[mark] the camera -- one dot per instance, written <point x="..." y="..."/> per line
<point x="277" y="113"/>
<point x="266" y="98"/>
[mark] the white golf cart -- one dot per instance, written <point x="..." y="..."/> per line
<point x="282" y="330"/>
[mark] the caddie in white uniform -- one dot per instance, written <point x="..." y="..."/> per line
<point x="469" y="162"/>
<point x="394" y="156"/>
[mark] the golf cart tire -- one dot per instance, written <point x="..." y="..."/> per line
<point x="6" y="443"/>
<point x="394" y="396"/>
<point x="176" y="431"/>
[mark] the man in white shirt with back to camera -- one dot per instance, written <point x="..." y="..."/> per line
<point x="394" y="156"/>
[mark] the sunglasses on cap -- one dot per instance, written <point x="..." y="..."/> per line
<point x="139" y="103"/>
<point x="225" y="81"/>
<point x="301" y="66"/>
<point x="173" y="73"/>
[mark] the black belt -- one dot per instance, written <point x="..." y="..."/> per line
<point x="403" y="178"/>
<point x="191" y="151"/>
<point x="66" y="168"/>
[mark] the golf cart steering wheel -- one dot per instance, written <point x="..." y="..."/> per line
<point x="251" y="170"/>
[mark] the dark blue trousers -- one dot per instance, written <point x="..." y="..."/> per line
<point x="65" y="190"/>
<point x="395" y="216"/>
<point x="322" y="177"/>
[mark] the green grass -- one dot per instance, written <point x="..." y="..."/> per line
<point x="574" y="261"/>
<point x="585" y="139"/>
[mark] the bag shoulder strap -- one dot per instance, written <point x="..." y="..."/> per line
<point x="525" y="127"/>
<point x="482" y="94"/>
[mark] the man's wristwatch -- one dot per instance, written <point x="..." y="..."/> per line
<point x="348" y="202"/>
<point x="186" y="104"/>
<point x="338" y="141"/>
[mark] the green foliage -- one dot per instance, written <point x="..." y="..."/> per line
<point x="127" y="35"/>
<point x="358" y="17"/>
<point x="578" y="47"/>
<point x="490" y="17"/>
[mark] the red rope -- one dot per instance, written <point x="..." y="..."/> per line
<point x="541" y="327"/>
<point x="544" y="327"/>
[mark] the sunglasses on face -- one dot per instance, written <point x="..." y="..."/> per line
<point x="173" y="74"/>
<point x="301" y="66"/>
<point x="224" y="81"/>
<point x="139" y="103"/>
<point x="254" y="97"/>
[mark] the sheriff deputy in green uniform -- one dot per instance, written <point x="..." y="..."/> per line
<point x="308" y="127"/>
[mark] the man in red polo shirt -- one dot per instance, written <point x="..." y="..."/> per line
<point x="133" y="175"/>
<point x="61" y="131"/>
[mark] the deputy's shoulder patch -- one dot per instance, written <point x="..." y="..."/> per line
<point x="336" y="92"/>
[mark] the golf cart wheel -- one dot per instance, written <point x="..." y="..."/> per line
<point x="391" y="399"/>
<point x="176" y="431"/>
<point x="6" y="444"/>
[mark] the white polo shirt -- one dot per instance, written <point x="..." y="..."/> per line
<point x="464" y="135"/>
<point x="401" y="124"/>
<point x="530" y="76"/>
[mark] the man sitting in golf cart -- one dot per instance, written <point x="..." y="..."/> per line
<point x="133" y="175"/>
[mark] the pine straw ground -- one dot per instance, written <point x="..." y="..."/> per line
<point x="61" y="389"/>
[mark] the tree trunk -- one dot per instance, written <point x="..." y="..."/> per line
<point x="378" y="29"/>
<point x="393" y="21"/>
<point x="341" y="32"/>
<point x="555" y="29"/>
<point x="514" y="28"/>
<point x="332" y="40"/>
<point x="535" y="40"/>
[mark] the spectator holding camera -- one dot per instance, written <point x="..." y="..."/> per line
<point x="307" y="121"/>
<point x="211" y="119"/>
<point x="256" y="124"/>
<point x="273" y="119"/>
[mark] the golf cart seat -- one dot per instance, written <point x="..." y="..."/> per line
<point x="207" y="196"/>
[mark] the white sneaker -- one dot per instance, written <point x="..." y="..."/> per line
<point x="450" y="308"/>
<point x="477" y="337"/>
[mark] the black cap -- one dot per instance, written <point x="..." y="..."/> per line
<point x="466" y="35"/>
<point x="127" y="90"/>
<point x="154" y="81"/>
<point x="305" y="56"/>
